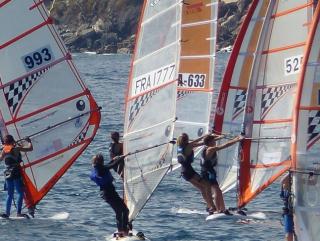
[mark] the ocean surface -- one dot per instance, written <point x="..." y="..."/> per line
<point x="175" y="211"/>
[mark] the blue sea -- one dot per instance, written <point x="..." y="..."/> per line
<point x="175" y="211"/>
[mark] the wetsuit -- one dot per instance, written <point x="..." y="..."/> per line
<point x="287" y="211"/>
<point x="116" y="149"/>
<point x="13" y="177"/>
<point x="103" y="178"/>
<point x="207" y="167"/>
<point x="187" y="171"/>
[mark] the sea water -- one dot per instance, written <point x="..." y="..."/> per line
<point x="176" y="211"/>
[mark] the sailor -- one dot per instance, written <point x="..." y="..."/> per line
<point x="185" y="156"/>
<point x="208" y="164"/>
<point x="102" y="177"/>
<point x="116" y="154"/>
<point x="287" y="207"/>
<point x="13" y="178"/>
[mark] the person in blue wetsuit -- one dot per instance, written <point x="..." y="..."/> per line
<point x="13" y="178"/>
<point x="208" y="163"/>
<point x="102" y="176"/>
<point x="287" y="208"/>
<point x="185" y="156"/>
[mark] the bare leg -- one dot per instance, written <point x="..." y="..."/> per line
<point x="198" y="183"/>
<point x="218" y="198"/>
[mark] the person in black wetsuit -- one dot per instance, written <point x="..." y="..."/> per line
<point x="287" y="208"/>
<point x="101" y="175"/>
<point x="11" y="155"/>
<point x="208" y="163"/>
<point x="116" y="153"/>
<point x="185" y="156"/>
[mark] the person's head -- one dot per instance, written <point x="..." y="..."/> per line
<point x="115" y="136"/>
<point x="8" y="140"/>
<point x="209" y="141"/>
<point x="97" y="160"/>
<point x="183" y="140"/>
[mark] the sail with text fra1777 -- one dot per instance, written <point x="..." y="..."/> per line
<point x="42" y="96"/>
<point x="150" y="101"/>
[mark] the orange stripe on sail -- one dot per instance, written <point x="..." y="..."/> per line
<point x="284" y="163"/>
<point x="272" y="121"/>
<point x="269" y="51"/>
<point x="292" y="10"/>
<point x="251" y="195"/>
<point x="309" y="107"/>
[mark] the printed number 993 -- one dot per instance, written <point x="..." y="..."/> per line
<point x="37" y="58"/>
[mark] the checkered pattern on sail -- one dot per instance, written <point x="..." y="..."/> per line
<point x="271" y="95"/>
<point x="15" y="91"/>
<point x="239" y="103"/>
<point x="138" y="104"/>
<point x="182" y="93"/>
<point x="313" y="127"/>
<point x="80" y="137"/>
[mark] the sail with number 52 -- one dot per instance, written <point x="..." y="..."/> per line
<point x="306" y="140"/>
<point x="265" y="153"/>
<point x="42" y="96"/>
<point x="151" y="101"/>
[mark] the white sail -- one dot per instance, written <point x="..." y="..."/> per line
<point x="232" y="96"/>
<point x="265" y="154"/>
<point x="197" y="64"/>
<point x="151" y="101"/>
<point x="42" y="96"/>
<point x="306" y="140"/>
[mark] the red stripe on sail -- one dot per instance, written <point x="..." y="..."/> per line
<point x="292" y="10"/>
<point x="48" y="21"/>
<point x="14" y="120"/>
<point x="36" y="5"/>
<point x="272" y="121"/>
<point x="269" y="51"/>
<point x="67" y="57"/>
<point x="4" y="3"/>
<point x="223" y="95"/>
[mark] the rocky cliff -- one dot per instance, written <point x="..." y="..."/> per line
<point x="108" y="26"/>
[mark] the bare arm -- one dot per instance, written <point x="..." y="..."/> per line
<point x="211" y="150"/>
<point x="26" y="148"/>
<point x="1" y="155"/>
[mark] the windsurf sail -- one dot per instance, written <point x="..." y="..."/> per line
<point x="42" y="96"/>
<point x="265" y="153"/>
<point x="306" y="140"/>
<point x="151" y="101"/>
<point x="230" y="107"/>
<point x="197" y="64"/>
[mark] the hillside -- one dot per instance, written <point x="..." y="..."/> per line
<point x="108" y="26"/>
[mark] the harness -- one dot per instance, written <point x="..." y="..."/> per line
<point x="208" y="165"/>
<point x="12" y="162"/>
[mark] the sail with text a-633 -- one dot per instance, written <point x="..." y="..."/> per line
<point x="42" y="96"/>
<point x="197" y="64"/>
<point x="265" y="153"/>
<point x="306" y="140"/>
<point x="230" y="107"/>
<point x="151" y="101"/>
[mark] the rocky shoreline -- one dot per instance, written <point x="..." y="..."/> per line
<point x="109" y="26"/>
